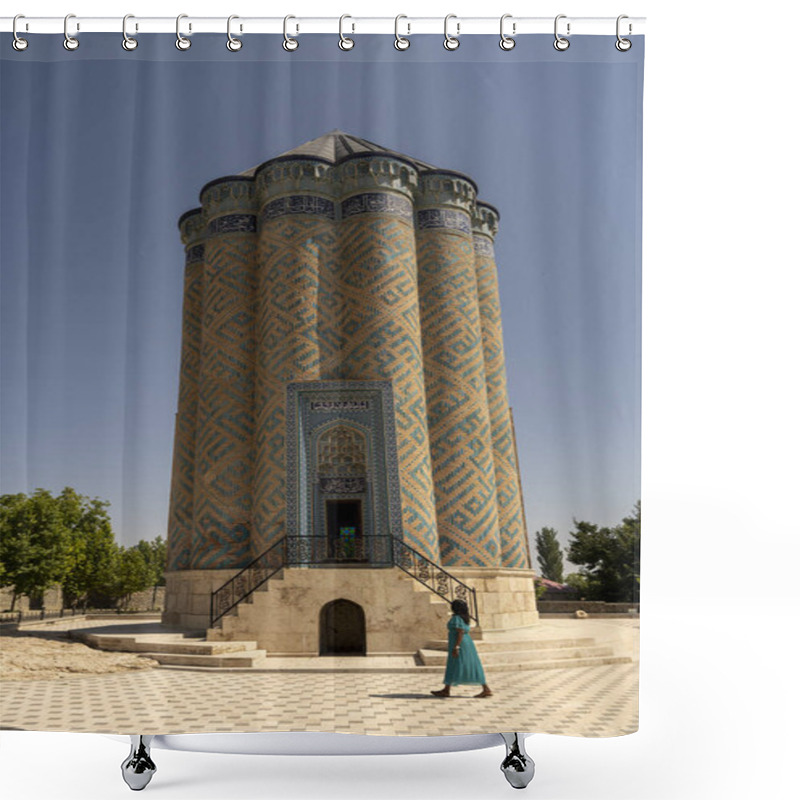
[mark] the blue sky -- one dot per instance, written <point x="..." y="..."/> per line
<point x="102" y="151"/>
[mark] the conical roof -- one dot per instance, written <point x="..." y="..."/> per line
<point x="337" y="145"/>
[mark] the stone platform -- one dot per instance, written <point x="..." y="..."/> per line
<point x="534" y="648"/>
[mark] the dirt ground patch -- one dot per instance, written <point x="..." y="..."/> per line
<point x="45" y="656"/>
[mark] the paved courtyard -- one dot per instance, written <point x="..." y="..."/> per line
<point x="584" y="701"/>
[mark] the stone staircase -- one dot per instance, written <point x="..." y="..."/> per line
<point x="282" y="613"/>
<point x="526" y="653"/>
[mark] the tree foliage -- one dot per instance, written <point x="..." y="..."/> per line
<point x="92" y="547"/>
<point x="549" y="555"/>
<point x="34" y="542"/>
<point x="609" y="559"/>
<point x="67" y="539"/>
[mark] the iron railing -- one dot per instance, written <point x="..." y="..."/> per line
<point x="247" y="580"/>
<point x="366" y="551"/>
<point x="436" y="578"/>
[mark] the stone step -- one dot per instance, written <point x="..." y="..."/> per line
<point x="435" y="658"/>
<point x="519" y="644"/>
<point x="245" y="659"/>
<point x="269" y="665"/>
<point x="166" y="644"/>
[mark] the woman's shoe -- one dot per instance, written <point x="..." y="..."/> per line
<point x="441" y="692"/>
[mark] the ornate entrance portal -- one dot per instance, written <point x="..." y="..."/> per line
<point x="343" y="492"/>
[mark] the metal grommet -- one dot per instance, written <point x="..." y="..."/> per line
<point x="289" y="44"/>
<point x="345" y="43"/>
<point x="400" y="42"/>
<point x="506" y="42"/>
<point x="233" y="44"/>
<point x="19" y="44"/>
<point x="560" y="44"/>
<point x="70" y="42"/>
<point x="451" y="42"/>
<point x="623" y="45"/>
<point x="128" y="42"/>
<point x="181" y="42"/>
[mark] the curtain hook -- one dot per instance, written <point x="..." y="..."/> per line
<point x="344" y="42"/>
<point x="233" y="44"/>
<point x="182" y="43"/>
<point x="128" y="42"/>
<point x="623" y="45"/>
<point x="506" y="42"/>
<point x="560" y="43"/>
<point x="70" y="42"/>
<point x="19" y="43"/>
<point x="289" y="44"/>
<point x="451" y="42"/>
<point x="400" y="42"/>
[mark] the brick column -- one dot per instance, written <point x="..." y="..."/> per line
<point x="513" y="536"/>
<point x="381" y="322"/>
<point x="458" y="413"/>
<point x="181" y="505"/>
<point x="297" y="321"/>
<point x="223" y="456"/>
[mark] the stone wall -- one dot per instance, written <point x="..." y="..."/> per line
<point x="400" y="614"/>
<point x="589" y="606"/>
<point x="147" y="600"/>
<point x="506" y="597"/>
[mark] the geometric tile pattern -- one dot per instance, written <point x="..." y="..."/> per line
<point x="223" y="448"/>
<point x="381" y="327"/>
<point x="181" y="518"/>
<point x="584" y="701"/>
<point x="513" y="536"/>
<point x="458" y="414"/>
<point x="291" y="250"/>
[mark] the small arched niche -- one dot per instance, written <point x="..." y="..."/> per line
<point x="342" y="629"/>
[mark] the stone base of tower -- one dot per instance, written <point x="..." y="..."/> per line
<point x="506" y="597"/>
<point x="288" y="616"/>
<point x="187" y="597"/>
<point x="388" y="610"/>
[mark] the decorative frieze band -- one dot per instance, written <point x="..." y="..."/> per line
<point x="340" y="405"/>
<point x="377" y="203"/>
<point x="299" y="204"/>
<point x="232" y="223"/>
<point x="483" y="246"/>
<point x="343" y="485"/>
<point x="444" y="218"/>
<point x="195" y="254"/>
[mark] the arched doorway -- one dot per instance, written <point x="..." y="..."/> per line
<point x="342" y="629"/>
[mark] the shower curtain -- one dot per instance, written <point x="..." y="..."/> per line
<point x="320" y="385"/>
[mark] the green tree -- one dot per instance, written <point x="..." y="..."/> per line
<point x="132" y="573"/>
<point x="92" y="548"/>
<point x="34" y="542"/>
<point x="609" y="559"/>
<point x="155" y="556"/>
<point x="549" y="556"/>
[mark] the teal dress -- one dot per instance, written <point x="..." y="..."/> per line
<point x="467" y="667"/>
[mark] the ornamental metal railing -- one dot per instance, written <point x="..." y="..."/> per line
<point x="247" y="580"/>
<point x="436" y="578"/>
<point x="365" y="551"/>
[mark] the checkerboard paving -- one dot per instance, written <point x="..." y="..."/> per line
<point x="591" y="701"/>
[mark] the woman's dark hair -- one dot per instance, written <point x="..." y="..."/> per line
<point x="460" y="607"/>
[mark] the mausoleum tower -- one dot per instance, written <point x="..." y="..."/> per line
<point x="343" y="383"/>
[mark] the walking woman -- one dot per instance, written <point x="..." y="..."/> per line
<point x="463" y="663"/>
